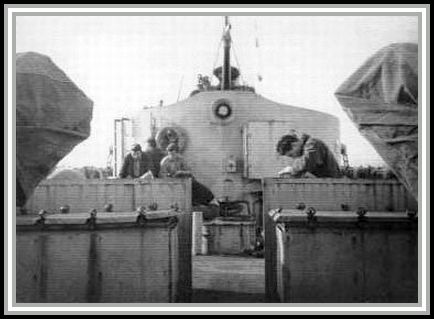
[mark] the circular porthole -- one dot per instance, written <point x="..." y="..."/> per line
<point x="222" y="110"/>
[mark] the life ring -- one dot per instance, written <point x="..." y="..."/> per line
<point x="168" y="135"/>
<point x="222" y="110"/>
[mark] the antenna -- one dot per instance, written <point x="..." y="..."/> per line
<point x="226" y="76"/>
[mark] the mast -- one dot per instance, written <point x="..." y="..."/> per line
<point x="226" y="76"/>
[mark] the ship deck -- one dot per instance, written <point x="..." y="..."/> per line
<point x="228" y="279"/>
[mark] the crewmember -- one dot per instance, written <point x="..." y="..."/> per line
<point x="136" y="163"/>
<point x="156" y="155"/>
<point x="174" y="165"/>
<point x="311" y="156"/>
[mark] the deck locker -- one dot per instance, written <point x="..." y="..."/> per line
<point x="339" y="258"/>
<point x="316" y="252"/>
<point x="135" y="256"/>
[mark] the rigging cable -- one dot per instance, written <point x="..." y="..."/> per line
<point x="217" y="56"/>
<point x="180" y="88"/>
<point x="259" y="60"/>
<point x="238" y="64"/>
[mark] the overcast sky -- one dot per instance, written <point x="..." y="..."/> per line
<point x="125" y="63"/>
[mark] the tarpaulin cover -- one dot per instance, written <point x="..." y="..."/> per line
<point x="381" y="97"/>
<point x="52" y="116"/>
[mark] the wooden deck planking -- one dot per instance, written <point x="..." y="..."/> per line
<point x="232" y="274"/>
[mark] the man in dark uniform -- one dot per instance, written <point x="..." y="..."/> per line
<point x="155" y="154"/>
<point x="136" y="163"/>
<point x="311" y="156"/>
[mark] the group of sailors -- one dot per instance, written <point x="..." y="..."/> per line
<point x="139" y="163"/>
<point x="311" y="158"/>
<point x="155" y="163"/>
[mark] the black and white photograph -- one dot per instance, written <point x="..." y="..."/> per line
<point x="165" y="156"/>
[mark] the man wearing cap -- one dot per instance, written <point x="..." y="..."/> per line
<point x="136" y="163"/>
<point x="174" y="165"/>
<point x="155" y="154"/>
<point x="311" y="156"/>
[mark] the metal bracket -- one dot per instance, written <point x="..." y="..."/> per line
<point x="91" y="221"/>
<point x="300" y="206"/>
<point x="108" y="208"/>
<point x="412" y="215"/>
<point x="311" y="212"/>
<point x="153" y="206"/>
<point x="173" y="221"/>
<point x="64" y="209"/>
<point x="285" y="230"/>
<point x="284" y="227"/>
<point x="275" y="213"/>
<point x="141" y="218"/>
<point x="361" y="213"/>
<point x="41" y="221"/>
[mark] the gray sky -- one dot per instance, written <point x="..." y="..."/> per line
<point x="124" y="63"/>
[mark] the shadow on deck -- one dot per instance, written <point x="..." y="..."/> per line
<point x="214" y="296"/>
<point x="228" y="279"/>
